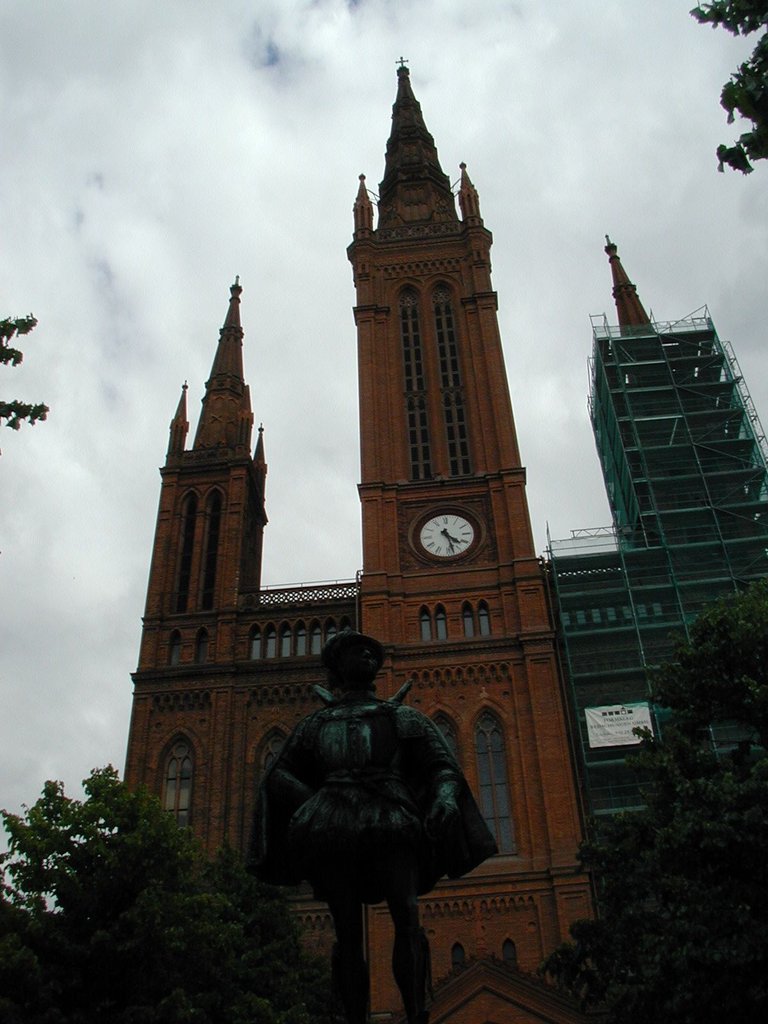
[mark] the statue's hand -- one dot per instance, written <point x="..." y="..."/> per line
<point x="289" y="790"/>
<point x="443" y="817"/>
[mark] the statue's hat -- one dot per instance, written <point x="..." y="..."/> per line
<point x="347" y="638"/>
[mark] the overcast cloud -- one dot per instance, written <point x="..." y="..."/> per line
<point x="150" y="152"/>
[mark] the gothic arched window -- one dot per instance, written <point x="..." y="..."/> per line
<point x="448" y="730"/>
<point x="270" y="641"/>
<point x="211" y="549"/>
<point x="492" y="777"/>
<point x="315" y="639"/>
<point x="468" y="618"/>
<point x="450" y="384"/>
<point x="458" y="955"/>
<point x="255" y="643"/>
<point x="415" y="387"/>
<point x="201" y="646"/>
<point x="330" y="630"/>
<point x="441" y="624"/>
<point x="483" y="619"/>
<point x="271" y="748"/>
<point x="177" y="789"/>
<point x="174" y="648"/>
<point x="285" y="640"/>
<point x="509" y="952"/>
<point x="187" y="542"/>
<point x="301" y="639"/>
<point x="425" y="624"/>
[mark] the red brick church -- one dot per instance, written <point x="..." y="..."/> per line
<point x="227" y="667"/>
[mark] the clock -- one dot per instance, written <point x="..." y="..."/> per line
<point x="446" y="535"/>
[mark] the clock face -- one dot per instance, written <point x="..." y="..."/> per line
<point x="446" y="535"/>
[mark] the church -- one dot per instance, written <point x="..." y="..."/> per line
<point x="450" y="585"/>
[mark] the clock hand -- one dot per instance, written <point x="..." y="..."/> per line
<point x="450" y="538"/>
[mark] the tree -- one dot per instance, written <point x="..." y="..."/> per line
<point x="746" y="94"/>
<point x="682" y="884"/>
<point x="15" y="413"/>
<point x="109" y="913"/>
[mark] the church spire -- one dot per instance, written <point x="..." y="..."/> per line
<point x="229" y="353"/>
<point x="258" y="457"/>
<point x="629" y="308"/>
<point x="226" y="418"/>
<point x="469" y="201"/>
<point x="179" y="426"/>
<point x="363" y="210"/>
<point x="414" y="187"/>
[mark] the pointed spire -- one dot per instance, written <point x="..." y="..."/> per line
<point x="414" y="187"/>
<point x="363" y="210"/>
<point x="226" y="416"/>
<point x="229" y="354"/>
<point x="258" y="457"/>
<point x="179" y="425"/>
<point x="629" y="308"/>
<point x="469" y="201"/>
<point x="260" y="466"/>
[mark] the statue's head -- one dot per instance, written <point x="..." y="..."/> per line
<point x="352" y="660"/>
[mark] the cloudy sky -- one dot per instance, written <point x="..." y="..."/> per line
<point x="150" y="152"/>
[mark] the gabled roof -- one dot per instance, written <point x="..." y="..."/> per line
<point x="492" y="992"/>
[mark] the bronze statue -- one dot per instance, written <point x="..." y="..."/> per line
<point x="367" y="803"/>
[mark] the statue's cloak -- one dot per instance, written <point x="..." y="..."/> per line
<point x="350" y="793"/>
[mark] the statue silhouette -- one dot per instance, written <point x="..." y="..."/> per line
<point x="367" y="803"/>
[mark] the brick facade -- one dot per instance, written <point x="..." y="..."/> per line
<point x="470" y="627"/>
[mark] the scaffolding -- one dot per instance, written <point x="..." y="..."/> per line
<point x="683" y="456"/>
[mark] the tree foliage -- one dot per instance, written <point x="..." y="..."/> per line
<point x="746" y="93"/>
<point x="110" y="914"/>
<point x="682" y="884"/>
<point x="15" y="413"/>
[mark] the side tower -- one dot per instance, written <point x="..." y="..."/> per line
<point x="683" y="456"/>
<point x="207" y="551"/>
<point x="451" y="584"/>
<point x="227" y="666"/>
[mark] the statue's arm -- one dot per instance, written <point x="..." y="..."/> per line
<point x="291" y="777"/>
<point x="287" y="788"/>
<point x="439" y="767"/>
<point x="452" y="819"/>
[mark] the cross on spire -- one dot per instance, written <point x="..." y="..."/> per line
<point x="401" y="62"/>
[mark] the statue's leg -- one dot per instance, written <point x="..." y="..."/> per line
<point x="410" y="954"/>
<point x="350" y="971"/>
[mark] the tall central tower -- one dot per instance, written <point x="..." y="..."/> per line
<point x="451" y="585"/>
